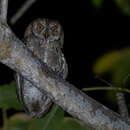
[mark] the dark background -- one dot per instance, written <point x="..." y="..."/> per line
<point x="89" y="32"/>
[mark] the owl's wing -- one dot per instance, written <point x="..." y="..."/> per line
<point x="19" y="80"/>
<point x="19" y="89"/>
<point x="64" y="69"/>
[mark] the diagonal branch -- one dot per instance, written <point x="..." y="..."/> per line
<point x="14" y="54"/>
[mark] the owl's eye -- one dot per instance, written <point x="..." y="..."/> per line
<point x="54" y="29"/>
<point x="40" y="27"/>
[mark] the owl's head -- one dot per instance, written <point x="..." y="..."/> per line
<point x="50" y="31"/>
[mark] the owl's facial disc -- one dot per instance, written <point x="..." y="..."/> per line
<point x="47" y="32"/>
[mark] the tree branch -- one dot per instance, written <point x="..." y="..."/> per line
<point x="122" y="105"/>
<point x="15" y="55"/>
<point x="3" y="9"/>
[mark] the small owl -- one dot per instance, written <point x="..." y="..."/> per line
<point x="44" y="38"/>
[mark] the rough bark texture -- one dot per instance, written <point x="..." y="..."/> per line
<point x="122" y="105"/>
<point x="14" y="54"/>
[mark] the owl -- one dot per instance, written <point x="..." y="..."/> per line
<point x="45" y="39"/>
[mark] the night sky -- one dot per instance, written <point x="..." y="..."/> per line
<point x="89" y="33"/>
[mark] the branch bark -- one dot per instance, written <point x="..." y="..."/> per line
<point x="3" y="9"/>
<point x="15" y="55"/>
<point x="122" y="105"/>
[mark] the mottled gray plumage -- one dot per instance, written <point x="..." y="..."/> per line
<point x="45" y="39"/>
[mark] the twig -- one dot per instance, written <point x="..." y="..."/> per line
<point x="107" y="88"/>
<point x="22" y="10"/>
<point x="123" y="110"/>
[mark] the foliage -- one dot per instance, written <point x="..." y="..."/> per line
<point x="51" y="121"/>
<point x="55" y="118"/>
<point x="105" y="63"/>
<point x="117" y="65"/>
<point x="123" y="5"/>
<point x="72" y="124"/>
<point x="8" y="97"/>
<point x="97" y="3"/>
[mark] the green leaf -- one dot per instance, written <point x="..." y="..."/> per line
<point x="124" y="5"/>
<point x="52" y="121"/>
<point x="97" y="3"/>
<point x="8" y="97"/>
<point x="18" y="125"/>
<point x="106" y="62"/>
<point x="116" y="63"/>
<point x="73" y="124"/>
<point x="121" y="71"/>
<point x="19" y="121"/>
